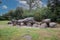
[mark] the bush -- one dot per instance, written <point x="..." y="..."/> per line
<point x="27" y="14"/>
<point x="38" y="16"/>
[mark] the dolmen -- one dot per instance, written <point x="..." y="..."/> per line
<point x="45" y="23"/>
<point x="25" y="21"/>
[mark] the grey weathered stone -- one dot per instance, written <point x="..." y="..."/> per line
<point x="22" y="24"/>
<point x="52" y="24"/>
<point x="14" y="22"/>
<point x="46" y="20"/>
<point x="35" y="25"/>
<point x="43" y="25"/>
<point x="21" y="20"/>
<point x="28" y="24"/>
<point x="29" y="19"/>
<point x="27" y="37"/>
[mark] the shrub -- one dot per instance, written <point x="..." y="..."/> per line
<point x="38" y="16"/>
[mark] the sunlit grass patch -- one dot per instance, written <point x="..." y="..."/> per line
<point x="12" y="33"/>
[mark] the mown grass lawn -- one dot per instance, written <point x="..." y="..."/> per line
<point x="17" y="33"/>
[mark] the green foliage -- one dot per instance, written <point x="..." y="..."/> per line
<point x="28" y="14"/>
<point x="1" y="18"/>
<point x="40" y="14"/>
<point x="55" y="9"/>
<point x="37" y="16"/>
<point x="18" y="13"/>
<point x="58" y="20"/>
<point x="13" y="14"/>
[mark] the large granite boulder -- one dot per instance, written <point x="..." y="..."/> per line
<point x="29" y="24"/>
<point x="52" y="24"/>
<point x="29" y="20"/>
<point x="35" y="25"/>
<point x="43" y="25"/>
<point x="22" y="24"/>
<point x="19" y="22"/>
<point x="46" y="20"/>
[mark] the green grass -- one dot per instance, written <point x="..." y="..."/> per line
<point x="17" y="33"/>
<point x="3" y="22"/>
